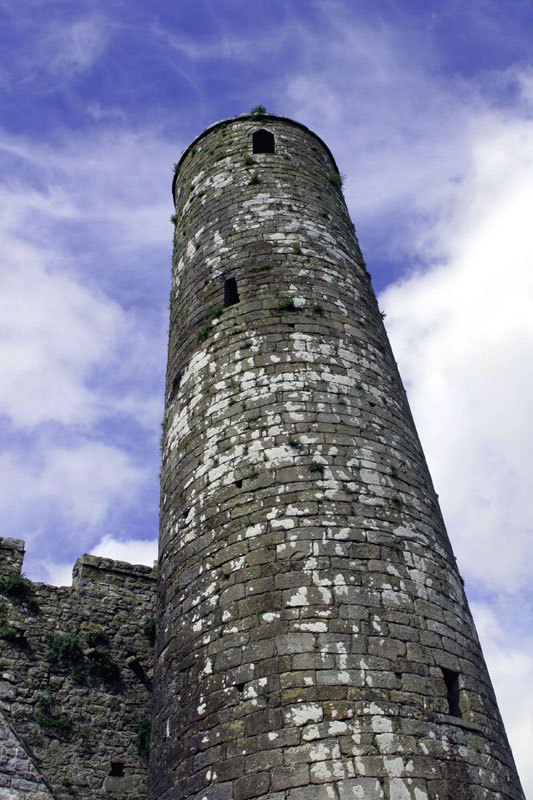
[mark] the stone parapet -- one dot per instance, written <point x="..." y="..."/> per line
<point x="75" y="680"/>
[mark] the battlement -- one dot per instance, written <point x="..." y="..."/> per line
<point x="95" y="569"/>
<point x="75" y="677"/>
<point x="11" y="556"/>
<point x="87" y="568"/>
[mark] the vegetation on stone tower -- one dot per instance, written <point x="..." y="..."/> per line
<point x="258" y="110"/>
<point x="336" y="179"/>
<point x="96" y="636"/>
<point x="58" y="724"/>
<point x="103" y="665"/>
<point x="142" y="737"/>
<point x="14" y="585"/>
<point x="149" y="629"/>
<point x="10" y="634"/>
<point x="62" y="647"/>
<point x="288" y="305"/>
<point x="213" y="313"/>
<point x="17" y="587"/>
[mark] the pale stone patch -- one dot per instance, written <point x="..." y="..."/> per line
<point x="303" y="713"/>
<point x="337" y="727"/>
<point x="388" y="743"/>
<point x="254" y="530"/>
<point x="399" y="790"/>
<point x="394" y="766"/>
<point x="324" y="752"/>
<point x="284" y="524"/>
<point x="381" y="724"/>
<point x="299" y="598"/>
<point x="314" y="627"/>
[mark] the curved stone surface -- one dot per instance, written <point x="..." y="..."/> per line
<point x="19" y="777"/>
<point x="314" y="637"/>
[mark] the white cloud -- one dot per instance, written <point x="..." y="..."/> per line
<point x="86" y="249"/>
<point x="55" y="332"/>
<point x="462" y="332"/>
<point x="134" y="551"/>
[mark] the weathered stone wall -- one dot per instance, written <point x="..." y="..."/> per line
<point x="20" y="778"/>
<point x="314" y="639"/>
<point x="75" y="680"/>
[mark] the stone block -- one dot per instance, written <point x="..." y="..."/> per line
<point x="288" y="776"/>
<point x="360" y="789"/>
<point x="253" y="785"/>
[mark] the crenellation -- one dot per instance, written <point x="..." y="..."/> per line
<point x="11" y="556"/>
<point x="76" y="679"/>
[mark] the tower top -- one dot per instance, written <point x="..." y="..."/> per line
<point x="256" y="117"/>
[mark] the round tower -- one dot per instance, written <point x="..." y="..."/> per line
<point x="314" y="640"/>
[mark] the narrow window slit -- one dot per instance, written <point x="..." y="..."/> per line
<point x="231" y="295"/>
<point x="453" y="691"/>
<point x="117" y="769"/>
<point x="175" y="384"/>
<point x="238" y="484"/>
<point x="263" y="142"/>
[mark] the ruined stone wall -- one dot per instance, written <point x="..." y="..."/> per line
<point x="314" y="639"/>
<point x="75" y="680"/>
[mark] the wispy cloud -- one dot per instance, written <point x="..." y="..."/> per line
<point x="59" y="49"/>
<point x="74" y="48"/>
<point x="55" y="333"/>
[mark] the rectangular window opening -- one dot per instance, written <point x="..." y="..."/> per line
<point x="117" y="769"/>
<point x="263" y="142"/>
<point x="231" y="295"/>
<point x="453" y="691"/>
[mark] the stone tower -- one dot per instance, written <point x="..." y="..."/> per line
<point x="314" y="637"/>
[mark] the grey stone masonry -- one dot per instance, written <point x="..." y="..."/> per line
<point x="19" y="776"/>
<point x="75" y="680"/>
<point x="314" y="640"/>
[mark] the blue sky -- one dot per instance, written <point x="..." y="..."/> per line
<point x="428" y="110"/>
